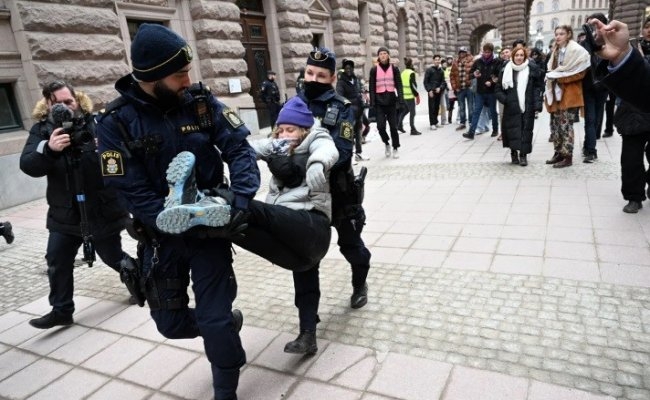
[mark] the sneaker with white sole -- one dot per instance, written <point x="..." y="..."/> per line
<point x="181" y="181"/>
<point x="395" y="153"/>
<point x="209" y="211"/>
<point x="387" y="151"/>
<point x="433" y="127"/>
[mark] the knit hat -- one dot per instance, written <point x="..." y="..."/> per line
<point x="157" y="52"/>
<point x="295" y="112"/>
<point x="322" y="57"/>
<point x="347" y="61"/>
<point x="383" y="48"/>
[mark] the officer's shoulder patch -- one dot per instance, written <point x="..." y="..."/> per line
<point x="112" y="164"/>
<point x="347" y="130"/>
<point x="232" y="118"/>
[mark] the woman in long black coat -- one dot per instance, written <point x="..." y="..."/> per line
<point x="520" y="87"/>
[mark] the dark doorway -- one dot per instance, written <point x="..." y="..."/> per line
<point x="255" y="43"/>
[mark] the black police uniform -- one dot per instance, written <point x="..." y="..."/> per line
<point x="75" y="168"/>
<point x="270" y="94"/>
<point x="135" y="162"/>
<point x="347" y="218"/>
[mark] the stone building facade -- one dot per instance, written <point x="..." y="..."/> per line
<point x="86" y="42"/>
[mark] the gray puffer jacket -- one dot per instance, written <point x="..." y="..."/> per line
<point x="319" y="147"/>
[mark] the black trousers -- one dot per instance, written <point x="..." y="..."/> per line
<point x="292" y="239"/>
<point x="409" y="109"/>
<point x="358" y="127"/>
<point x="634" y="176"/>
<point x="61" y="251"/>
<point x="274" y="110"/>
<point x="384" y="114"/>
<point x="434" y="108"/>
<point x="351" y="245"/>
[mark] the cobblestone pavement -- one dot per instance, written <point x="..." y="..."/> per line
<point x="530" y="272"/>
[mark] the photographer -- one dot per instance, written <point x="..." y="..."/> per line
<point x="623" y="64"/>
<point x="69" y="160"/>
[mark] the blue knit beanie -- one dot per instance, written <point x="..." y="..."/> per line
<point x="157" y="52"/>
<point x="295" y="112"/>
<point x="322" y="57"/>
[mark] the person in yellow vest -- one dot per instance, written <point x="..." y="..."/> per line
<point x="411" y="97"/>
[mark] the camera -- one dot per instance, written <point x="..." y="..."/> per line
<point x="74" y="126"/>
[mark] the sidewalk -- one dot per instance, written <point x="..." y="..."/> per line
<point x="488" y="281"/>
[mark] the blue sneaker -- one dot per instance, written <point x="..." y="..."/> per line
<point x="209" y="211"/>
<point x="181" y="181"/>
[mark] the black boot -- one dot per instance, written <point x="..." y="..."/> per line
<point x="514" y="157"/>
<point x="51" y="320"/>
<point x="632" y="207"/>
<point x="305" y="343"/>
<point x="7" y="232"/>
<point x="522" y="160"/>
<point x="237" y="319"/>
<point x="359" y="297"/>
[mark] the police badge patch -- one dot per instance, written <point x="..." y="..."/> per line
<point x="347" y="131"/>
<point x="112" y="163"/>
<point x="232" y="118"/>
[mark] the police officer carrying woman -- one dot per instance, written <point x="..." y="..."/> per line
<point x="158" y="116"/>
<point x="348" y="216"/>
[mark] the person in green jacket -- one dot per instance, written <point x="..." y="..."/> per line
<point x="411" y="97"/>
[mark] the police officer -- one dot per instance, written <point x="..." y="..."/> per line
<point x="348" y="216"/>
<point x="270" y="94"/>
<point x="67" y="156"/>
<point x="159" y="115"/>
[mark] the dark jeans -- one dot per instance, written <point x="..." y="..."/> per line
<point x="465" y="96"/>
<point x="634" y="176"/>
<point x="387" y="113"/>
<point x="434" y="108"/>
<point x="488" y="100"/>
<point x="61" y="252"/>
<point x="209" y="264"/>
<point x="594" y="112"/>
<point x="292" y="239"/>
<point x="409" y="109"/>
<point x="358" y="127"/>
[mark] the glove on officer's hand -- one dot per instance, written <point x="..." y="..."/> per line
<point x="315" y="177"/>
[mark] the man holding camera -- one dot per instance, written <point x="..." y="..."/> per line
<point x="81" y="210"/>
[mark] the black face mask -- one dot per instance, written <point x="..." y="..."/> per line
<point x="314" y="89"/>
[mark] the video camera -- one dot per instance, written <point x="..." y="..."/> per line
<point x="74" y="126"/>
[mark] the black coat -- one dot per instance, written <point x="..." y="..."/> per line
<point x="434" y="78"/>
<point x="106" y="215"/>
<point x="632" y="90"/>
<point x="517" y="127"/>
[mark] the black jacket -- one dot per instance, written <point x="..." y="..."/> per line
<point x="106" y="215"/>
<point x="633" y="90"/>
<point x="488" y="71"/>
<point x="351" y="89"/>
<point x="517" y="126"/>
<point x="270" y="93"/>
<point x="435" y="78"/>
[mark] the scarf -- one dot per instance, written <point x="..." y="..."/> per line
<point x="576" y="60"/>
<point x="522" y="81"/>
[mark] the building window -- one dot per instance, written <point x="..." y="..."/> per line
<point x="600" y="3"/>
<point x="540" y="7"/>
<point x="9" y="115"/>
<point x="580" y="20"/>
<point x="554" y="23"/>
<point x="556" y="5"/>
<point x="579" y="3"/>
<point x="134" y="25"/>
<point x="573" y="20"/>
<point x="573" y="3"/>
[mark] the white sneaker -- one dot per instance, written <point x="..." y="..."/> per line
<point x="433" y="127"/>
<point x="360" y="157"/>
<point x="387" y="151"/>
<point x="395" y="154"/>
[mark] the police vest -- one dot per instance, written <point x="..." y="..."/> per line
<point x="406" y="84"/>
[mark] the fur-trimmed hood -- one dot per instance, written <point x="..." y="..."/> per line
<point x="40" y="109"/>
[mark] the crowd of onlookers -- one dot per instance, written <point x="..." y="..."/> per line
<point x="503" y="92"/>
